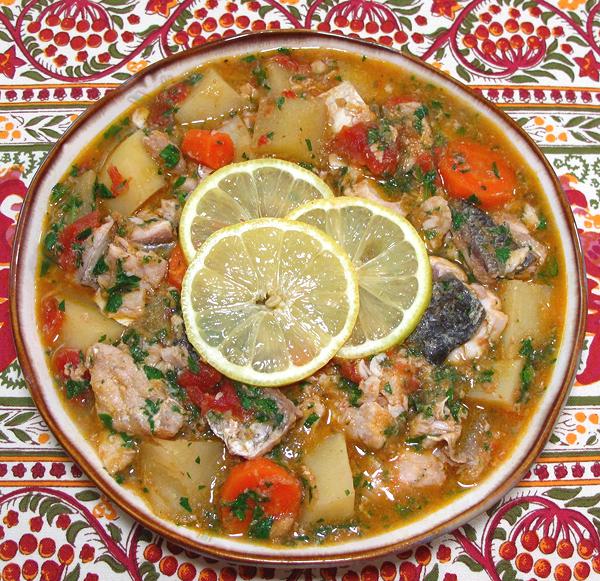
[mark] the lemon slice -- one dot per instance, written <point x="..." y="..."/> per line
<point x="393" y="269"/>
<point x="259" y="188"/>
<point x="269" y="301"/>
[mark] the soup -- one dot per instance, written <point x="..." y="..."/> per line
<point x="361" y="445"/>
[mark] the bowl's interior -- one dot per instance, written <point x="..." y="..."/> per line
<point x="32" y="351"/>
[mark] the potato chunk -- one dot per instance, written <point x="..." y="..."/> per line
<point x="294" y="131"/>
<point x="333" y="494"/>
<point x="527" y="306"/>
<point x="135" y="164"/>
<point x="278" y="77"/>
<point x="84" y="324"/>
<point x="177" y="474"/>
<point x="504" y="388"/>
<point x="210" y="98"/>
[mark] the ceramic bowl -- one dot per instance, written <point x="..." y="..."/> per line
<point x="31" y="350"/>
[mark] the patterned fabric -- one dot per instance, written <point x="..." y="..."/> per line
<point x="539" y="61"/>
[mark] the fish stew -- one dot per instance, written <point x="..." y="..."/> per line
<point x="362" y="446"/>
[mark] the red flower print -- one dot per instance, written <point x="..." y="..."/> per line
<point x="3" y="470"/>
<point x="35" y="524"/>
<point x="162" y="7"/>
<point x="445" y="8"/>
<point x="578" y="470"/>
<point x="58" y="469"/>
<point x="11" y="519"/>
<point x="87" y="553"/>
<point x="9" y="62"/>
<point x="38" y="470"/>
<point x="18" y="470"/>
<point x="76" y="471"/>
<point x="541" y="471"/>
<point x="596" y="469"/>
<point x="63" y="521"/>
<point x="560" y="471"/>
<point x="443" y="554"/>
<point x="588" y="66"/>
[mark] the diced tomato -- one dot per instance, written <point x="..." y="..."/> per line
<point x="52" y="318"/>
<point x="209" y="148"/>
<point x="68" y="258"/>
<point x="119" y="185"/>
<point x="289" y="94"/>
<point x="263" y="139"/>
<point x="164" y="105"/>
<point x="349" y="369"/>
<point x="398" y="100"/>
<point x="471" y="169"/>
<point x="426" y="162"/>
<point x="200" y="383"/>
<point x="287" y="62"/>
<point x="177" y="267"/>
<point x="64" y="357"/>
<point x="265" y="485"/>
<point x="225" y="400"/>
<point x="353" y="144"/>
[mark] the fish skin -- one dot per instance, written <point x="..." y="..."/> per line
<point x="451" y="319"/>
<point x="478" y="237"/>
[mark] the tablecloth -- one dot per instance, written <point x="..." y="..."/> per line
<point x="537" y="60"/>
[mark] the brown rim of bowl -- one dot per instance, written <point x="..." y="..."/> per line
<point x="280" y="557"/>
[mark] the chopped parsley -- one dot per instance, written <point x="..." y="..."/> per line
<point x="107" y="421"/>
<point x="264" y="409"/>
<point x="419" y="114"/>
<point x="309" y="144"/>
<point x="61" y="306"/>
<point x="76" y="388"/>
<point x="153" y="372"/>
<point x="260" y="75"/>
<point x="116" y="128"/>
<point x="170" y="155"/>
<point x="352" y="390"/>
<point x="280" y="102"/>
<point x="150" y="410"/>
<point x="502" y="253"/>
<point x="311" y="419"/>
<point x="185" y="503"/>
<point x="495" y="170"/>
<point x="551" y="268"/>
<point x="101" y="267"/>
<point x="58" y="192"/>
<point x="101" y="191"/>
<point x="124" y="283"/>
<point x="132" y="339"/>
<point x="249" y="59"/>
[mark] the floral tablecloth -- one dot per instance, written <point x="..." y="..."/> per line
<point x="538" y="60"/>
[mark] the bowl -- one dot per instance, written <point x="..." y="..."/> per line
<point x="31" y="351"/>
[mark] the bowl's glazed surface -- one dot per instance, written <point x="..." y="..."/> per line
<point x="31" y="350"/>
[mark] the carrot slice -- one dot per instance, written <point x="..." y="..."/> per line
<point x="471" y="169"/>
<point x="119" y="185"/>
<point x="256" y="492"/>
<point x="209" y="148"/>
<point x="177" y="267"/>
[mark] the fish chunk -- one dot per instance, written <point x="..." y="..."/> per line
<point x="367" y="424"/>
<point x="345" y="106"/>
<point x="411" y="469"/>
<point x="451" y="319"/>
<point x="254" y="437"/>
<point x="136" y="405"/>
<point x="152" y="232"/>
<point x="367" y="190"/>
<point x="113" y="454"/>
<point x="167" y="358"/>
<point x="94" y="248"/>
<point x="493" y="248"/>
